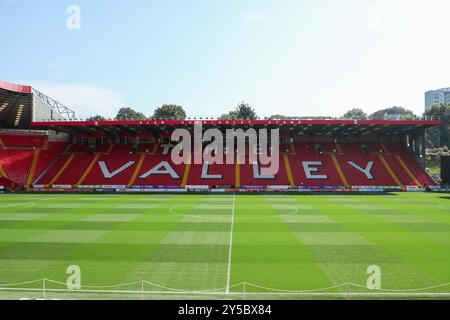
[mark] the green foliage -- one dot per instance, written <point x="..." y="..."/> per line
<point x="243" y="111"/>
<point x="439" y="136"/>
<point x="96" y="118"/>
<point x="405" y="114"/>
<point x="128" y="113"/>
<point x="283" y="117"/>
<point x="355" y="114"/>
<point x="232" y="115"/>
<point x="433" y="161"/>
<point x="169" y="112"/>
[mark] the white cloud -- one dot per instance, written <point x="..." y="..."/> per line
<point x="85" y="100"/>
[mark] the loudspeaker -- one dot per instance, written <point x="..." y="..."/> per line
<point x="445" y="170"/>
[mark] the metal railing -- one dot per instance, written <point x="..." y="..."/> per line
<point x="73" y="118"/>
<point x="51" y="289"/>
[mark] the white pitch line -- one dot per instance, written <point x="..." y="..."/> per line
<point x="231" y="245"/>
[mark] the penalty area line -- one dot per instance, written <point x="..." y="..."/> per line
<point x="227" y="290"/>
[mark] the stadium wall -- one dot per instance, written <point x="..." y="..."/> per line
<point x="42" y="111"/>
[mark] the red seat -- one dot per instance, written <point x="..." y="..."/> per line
<point x="309" y="166"/>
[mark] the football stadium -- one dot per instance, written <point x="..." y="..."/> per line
<point x="100" y="210"/>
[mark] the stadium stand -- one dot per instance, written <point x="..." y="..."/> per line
<point x="114" y="168"/>
<point x="344" y="165"/>
<point x="16" y="164"/>
<point x="362" y="169"/>
<point x="251" y="175"/>
<point x="7" y="184"/>
<point x="70" y="172"/>
<point x="38" y="153"/>
<point x="216" y="175"/>
<point x="25" y="141"/>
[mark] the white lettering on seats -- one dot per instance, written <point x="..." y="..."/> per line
<point x="310" y="167"/>
<point x="367" y="170"/>
<point x="162" y="168"/>
<point x="108" y="175"/>
<point x="257" y="172"/>
<point x="206" y="175"/>
<point x="166" y="148"/>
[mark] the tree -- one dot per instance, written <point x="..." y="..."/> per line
<point x="128" y="113"/>
<point x="279" y="117"/>
<point x="169" y="112"/>
<point x="439" y="136"/>
<point x="243" y="111"/>
<point x="96" y="118"/>
<point x="232" y="115"/>
<point x="355" y="114"/>
<point x="402" y="113"/>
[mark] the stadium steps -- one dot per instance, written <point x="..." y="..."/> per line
<point x="306" y="152"/>
<point x="385" y="149"/>
<point x="334" y="178"/>
<point x="237" y="178"/>
<point x="136" y="171"/>
<point x="3" y="172"/>
<point x="421" y="173"/>
<point x="110" y="149"/>
<point x="287" y="166"/>
<point x="88" y="170"/>
<point x="339" y="149"/>
<point x="155" y="148"/>
<point x="61" y="170"/>
<point x="118" y="164"/>
<point x="413" y="166"/>
<point x="75" y="170"/>
<point x="389" y="170"/>
<point x="409" y="172"/>
<point x="45" y="146"/>
<point x="48" y="156"/>
<point x="292" y="148"/>
<point x="399" y="171"/>
<point x="67" y="149"/>
<point x="405" y="167"/>
<point x="352" y="162"/>
<point x="33" y="168"/>
<point x="46" y="170"/>
<point x="417" y="171"/>
<point x="187" y="170"/>
<point x="339" y="171"/>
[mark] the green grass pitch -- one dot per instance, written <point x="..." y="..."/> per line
<point x="203" y="246"/>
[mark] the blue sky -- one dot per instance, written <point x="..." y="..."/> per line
<point x="297" y="57"/>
